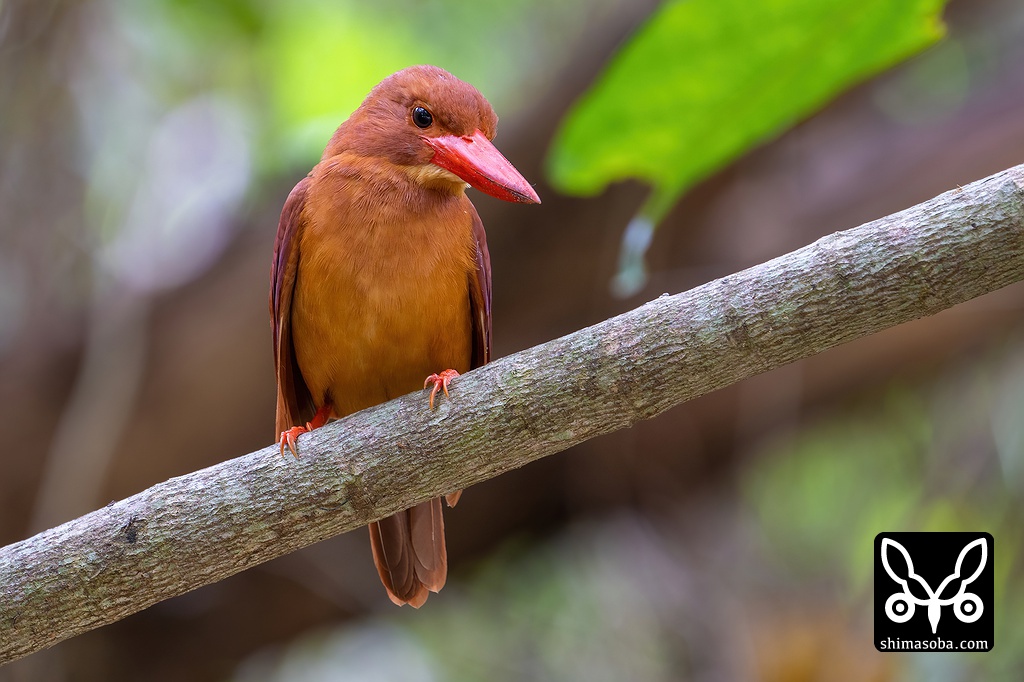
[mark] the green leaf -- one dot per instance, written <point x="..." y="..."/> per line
<point x="705" y="80"/>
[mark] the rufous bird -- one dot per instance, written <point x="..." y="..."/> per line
<point x="381" y="277"/>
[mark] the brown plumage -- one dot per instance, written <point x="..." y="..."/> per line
<point x="381" y="277"/>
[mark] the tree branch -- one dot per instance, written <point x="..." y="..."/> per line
<point x="196" y="529"/>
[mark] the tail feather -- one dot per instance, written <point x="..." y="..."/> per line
<point x="390" y="545"/>
<point x="409" y="552"/>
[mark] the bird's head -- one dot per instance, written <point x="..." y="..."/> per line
<point x="436" y="127"/>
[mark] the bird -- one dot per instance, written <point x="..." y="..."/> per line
<point x="380" y="281"/>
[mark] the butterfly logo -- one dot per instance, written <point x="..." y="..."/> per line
<point x="900" y="606"/>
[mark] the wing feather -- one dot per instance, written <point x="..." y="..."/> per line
<point x="480" y="295"/>
<point x="294" y="402"/>
<point x="480" y="309"/>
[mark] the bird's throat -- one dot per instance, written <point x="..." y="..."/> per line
<point x="435" y="177"/>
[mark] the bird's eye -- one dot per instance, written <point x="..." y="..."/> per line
<point x="421" y="117"/>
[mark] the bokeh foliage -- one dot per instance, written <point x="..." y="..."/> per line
<point x="306" y="65"/>
<point x="704" y="80"/>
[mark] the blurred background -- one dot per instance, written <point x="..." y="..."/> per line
<point x="146" y="149"/>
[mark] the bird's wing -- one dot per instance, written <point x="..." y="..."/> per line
<point x="294" y="403"/>
<point x="480" y="309"/>
<point x="480" y="295"/>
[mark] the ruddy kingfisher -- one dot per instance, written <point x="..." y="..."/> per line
<point x="381" y="278"/>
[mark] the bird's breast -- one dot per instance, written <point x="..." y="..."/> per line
<point x="381" y="304"/>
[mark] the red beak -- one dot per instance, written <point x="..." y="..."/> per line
<point x="474" y="159"/>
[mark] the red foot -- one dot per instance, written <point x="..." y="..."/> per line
<point x="440" y="381"/>
<point x="290" y="436"/>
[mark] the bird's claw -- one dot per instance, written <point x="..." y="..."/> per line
<point x="440" y="381"/>
<point x="290" y="436"/>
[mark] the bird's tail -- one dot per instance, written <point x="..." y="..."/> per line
<point x="409" y="551"/>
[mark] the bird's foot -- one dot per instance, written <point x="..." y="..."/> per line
<point x="290" y="437"/>
<point x="440" y="382"/>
